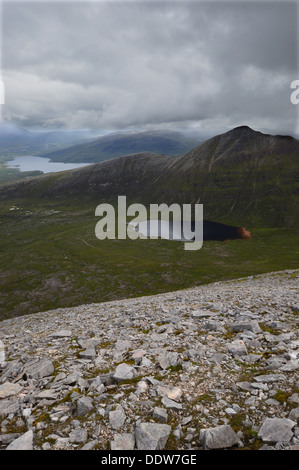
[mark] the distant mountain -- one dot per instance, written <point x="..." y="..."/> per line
<point x="119" y="144"/>
<point x="18" y="141"/>
<point x="241" y="176"/>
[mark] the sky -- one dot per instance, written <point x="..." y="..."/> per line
<point x="121" y="65"/>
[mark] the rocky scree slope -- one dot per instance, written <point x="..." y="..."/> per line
<point x="212" y="367"/>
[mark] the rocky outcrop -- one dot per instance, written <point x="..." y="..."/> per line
<point x="213" y="367"/>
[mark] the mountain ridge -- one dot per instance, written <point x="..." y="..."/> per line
<point x="241" y="174"/>
<point x="118" y="144"/>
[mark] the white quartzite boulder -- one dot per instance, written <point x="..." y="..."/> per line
<point x="124" y="372"/>
<point x="152" y="436"/>
<point x="8" y="389"/>
<point x="220" y="437"/>
<point x="24" y="442"/>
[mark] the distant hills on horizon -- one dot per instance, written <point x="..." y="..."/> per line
<point x="80" y="146"/>
<point x="15" y="140"/>
<point x="126" y="143"/>
<point x="91" y="146"/>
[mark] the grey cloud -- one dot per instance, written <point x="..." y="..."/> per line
<point x="118" y="64"/>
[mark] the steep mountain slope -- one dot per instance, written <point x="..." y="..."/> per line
<point x="243" y="174"/>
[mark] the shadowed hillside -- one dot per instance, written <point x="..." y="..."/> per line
<point x="116" y="145"/>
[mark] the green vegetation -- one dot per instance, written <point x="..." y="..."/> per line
<point x="51" y="258"/>
<point x="12" y="174"/>
<point x="250" y="437"/>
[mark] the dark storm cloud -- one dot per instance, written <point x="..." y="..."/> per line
<point x="119" y="64"/>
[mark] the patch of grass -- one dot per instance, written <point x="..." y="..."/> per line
<point x="50" y="258"/>
<point x="14" y="427"/>
<point x="176" y="368"/>
<point x="281" y="396"/>
<point x="12" y="174"/>
<point x="205" y="398"/>
<point x="43" y="417"/>
<point x="250" y="437"/>
<point x="266" y="328"/>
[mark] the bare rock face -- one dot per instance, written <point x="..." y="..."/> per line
<point x="202" y="368"/>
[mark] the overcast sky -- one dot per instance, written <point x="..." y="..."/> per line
<point x="135" y="64"/>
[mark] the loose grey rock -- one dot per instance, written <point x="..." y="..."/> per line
<point x="276" y="430"/>
<point x="152" y="436"/>
<point x="294" y="398"/>
<point x="290" y="366"/>
<point x="246" y="326"/>
<point x="61" y="334"/>
<point x="268" y="378"/>
<point x="220" y="437"/>
<point x="8" y="407"/>
<point x="8" y="438"/>
<point x="78" y="436"/>
<point x="294" y="414"/>
<point x="9" y="389"/>
<point x="84" y="406"/>
<point x="24" y="442"/>
<point x="202" y="314"/>
<point x="42" y="368"/>
<point x="171" y="404"/>
<point x="89" y="353"/>
<point x="117" y="417"/>
<point x="237" y="348"/>
<point x="124" y="372"/>
<point x="2" y="354"/>
<point x="170" y="359"/>
<point x="160" y="414"/>
<point x="123" y="345"/>
<point x="125" y="441"/>
<point x="174" y="393"/>
<point x="46" y="394"/>
<point x="89" y="445"/>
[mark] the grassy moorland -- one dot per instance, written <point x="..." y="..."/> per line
<point x="51" y="258"/>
